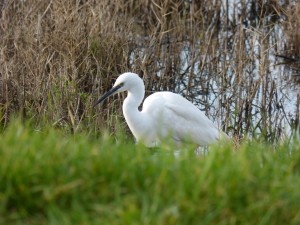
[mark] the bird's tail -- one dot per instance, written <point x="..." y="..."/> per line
<point x="224" y="136"/>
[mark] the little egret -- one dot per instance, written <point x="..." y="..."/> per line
<point x="164" y="114"/>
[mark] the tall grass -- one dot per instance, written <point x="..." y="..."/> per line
<point x="56" y="57"/>
<point x="291" y="54"/>
<point x="51" y="178"/>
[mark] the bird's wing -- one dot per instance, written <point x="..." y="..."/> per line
<point x="187" y="121"/>
<point x="173" y="113"/>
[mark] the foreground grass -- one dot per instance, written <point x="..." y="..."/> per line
<point x="49" y="178"/>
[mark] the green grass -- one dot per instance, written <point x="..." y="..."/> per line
<point x="48" y="177"/>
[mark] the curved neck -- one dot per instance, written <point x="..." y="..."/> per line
<point x="136" y="120"/>
<point x="135" y="96"/>
<point x="133" y="100"/>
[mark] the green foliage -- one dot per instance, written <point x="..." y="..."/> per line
<point x="48" y="177"/>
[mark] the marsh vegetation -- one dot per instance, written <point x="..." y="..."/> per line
<point x="49" y="177"/>
<point x="237" y="60"/>
<point x="233" y="59"/>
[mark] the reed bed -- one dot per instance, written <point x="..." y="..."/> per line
<point x="57" y="57"/>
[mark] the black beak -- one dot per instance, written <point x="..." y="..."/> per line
<point x="107" y="94"/>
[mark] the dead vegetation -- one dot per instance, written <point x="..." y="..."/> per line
<point x="290" y="53"/>
<point x="57" y="57"/>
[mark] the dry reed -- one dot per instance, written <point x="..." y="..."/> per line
<point x="58" y="56"/>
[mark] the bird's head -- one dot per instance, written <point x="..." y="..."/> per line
<point x="125" y="82"/>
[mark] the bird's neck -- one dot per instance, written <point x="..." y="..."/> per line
<point x="136" y="120"/>
<point x="133" y="101"/>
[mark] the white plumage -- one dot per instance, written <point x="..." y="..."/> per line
<point x="164" y="114"/>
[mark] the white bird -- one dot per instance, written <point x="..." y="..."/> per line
<point x="164" y="114"/>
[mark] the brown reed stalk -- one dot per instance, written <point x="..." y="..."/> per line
<point x="57" y="57"/>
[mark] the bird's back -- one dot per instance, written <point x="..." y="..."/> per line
<point x="176" y="116"/>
